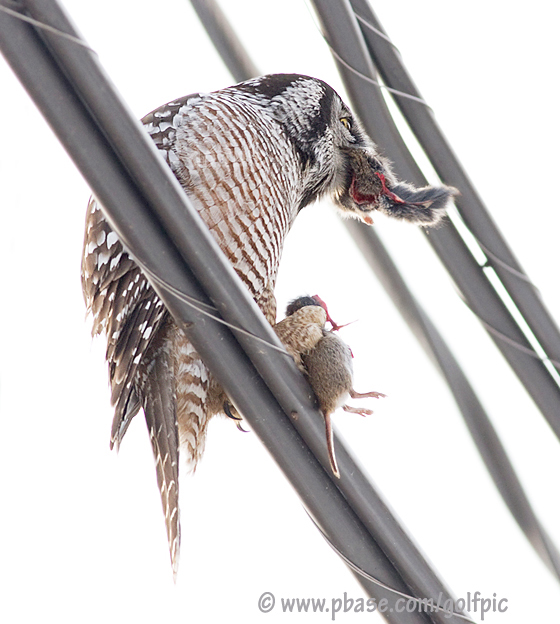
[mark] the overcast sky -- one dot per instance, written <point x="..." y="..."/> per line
<point x="82" y="537"/>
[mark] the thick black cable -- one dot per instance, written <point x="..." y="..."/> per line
<point x="137" y="218"/>
<point x="226" y="42"/>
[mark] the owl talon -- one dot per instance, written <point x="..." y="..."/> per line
<point x="227" y="410"/>
<point x="238" y="425"/>
<point x="238" y="420"/>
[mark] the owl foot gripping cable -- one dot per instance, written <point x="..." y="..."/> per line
<point x="249" y="157"/>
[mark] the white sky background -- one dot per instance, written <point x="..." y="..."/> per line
<point x="82" y="537"/>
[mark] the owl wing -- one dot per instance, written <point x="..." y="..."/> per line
<point x="124" y="306"/>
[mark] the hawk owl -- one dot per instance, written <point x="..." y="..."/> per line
<point x="249" y="157"/>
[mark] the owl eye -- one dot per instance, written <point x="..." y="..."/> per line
<point x="346" y="122"/>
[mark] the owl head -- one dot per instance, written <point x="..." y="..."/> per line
<point x="337" y="157"/>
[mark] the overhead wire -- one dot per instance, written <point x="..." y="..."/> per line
<point x="39" y="24"/>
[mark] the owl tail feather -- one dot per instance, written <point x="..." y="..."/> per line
<point x="159" y="409"/>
